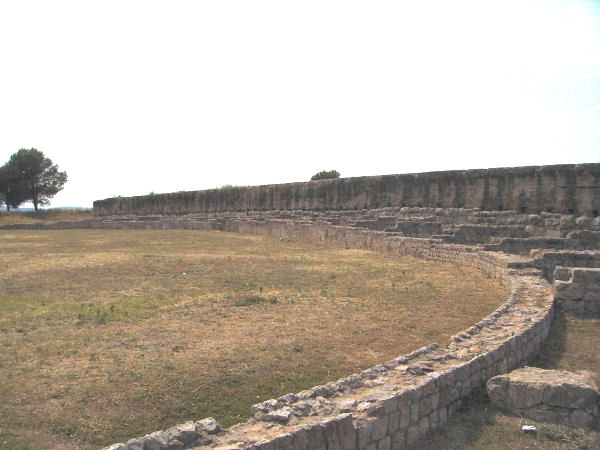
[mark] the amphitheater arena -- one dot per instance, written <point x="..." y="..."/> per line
<point x="537" y="229"/>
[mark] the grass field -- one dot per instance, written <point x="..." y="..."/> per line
<point x="44" y="215"/>
<point x="108" y="335"/>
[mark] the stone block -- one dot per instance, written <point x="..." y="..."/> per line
<point x="283" y="442"/>
<point x="404" y="418"/>
<point x="424" y="426"/>
<point x="580" y="418"/>
<point x="546" y="395"/>
<point x="156" y="441"/>
<point x="365" y="430"/>
<point x="425" y="406"/>
<point x="569" y="291"/>
<point x="399" y="439"/>
<point x="384" y="444"/>
<point x="347" y="432"/>
<point x="394" y="422"/>
<point x="412" y="434"/>
<point x="414" y="413"/>
<point x="316" y="437"/>
<point x="331" y="432"/>
<point x="434" y="420"/>
<point x="300" y="438"/>
<point x="380" y="426"/>
<point x="265" y="444"/>
<point x="443" y="415"/>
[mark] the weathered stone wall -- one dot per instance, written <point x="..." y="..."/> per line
<point x="578" y="290"/>
<point x="547" y="261"/>
<point x="562" y="188"/>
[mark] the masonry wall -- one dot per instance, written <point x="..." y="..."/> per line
<point x="578" y="289"/>
<point x="561" y="188"/>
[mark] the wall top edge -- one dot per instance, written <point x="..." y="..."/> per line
<point x="418" y="176"/>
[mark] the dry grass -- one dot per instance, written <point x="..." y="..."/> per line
<point x="572" y="345"/>
<point x="44" y="215"/>
<point x="107" y="335"/>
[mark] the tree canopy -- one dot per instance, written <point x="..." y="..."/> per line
<point x="30" y="176"/>
<point x="12" y="192"/>
<point x="325" y="175"/>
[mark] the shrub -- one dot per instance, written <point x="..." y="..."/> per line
<point x="325" y="175"/>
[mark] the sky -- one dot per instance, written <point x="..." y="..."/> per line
<point x="131" y="97"/>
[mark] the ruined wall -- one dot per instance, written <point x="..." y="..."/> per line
<point x="577" y="290"/>
<point x="561" y="188"/>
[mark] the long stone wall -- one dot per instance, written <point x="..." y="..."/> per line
<point x="568" y="189"/>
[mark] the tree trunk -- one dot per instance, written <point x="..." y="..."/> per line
<point x="35" y="204"/>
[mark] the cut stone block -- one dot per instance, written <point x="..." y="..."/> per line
<point x="547" y="395"/>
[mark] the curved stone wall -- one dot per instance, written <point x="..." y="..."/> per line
<point x="565" y="189"/>
<point x="392" y="404"/>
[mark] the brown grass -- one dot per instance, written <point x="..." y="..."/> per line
<point x="572" y="345"/>
<point x="107" y="335"/>
<point x="44" y="215"/>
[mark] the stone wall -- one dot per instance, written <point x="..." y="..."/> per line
<point x="578" y="290"/>
<point x="548" y="260"/>
<point x="563" y="188"/>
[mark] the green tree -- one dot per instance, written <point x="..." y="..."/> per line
<point x="325" y="175"/>
<point x="12" y="191"/>
<point x="38" y="175"/>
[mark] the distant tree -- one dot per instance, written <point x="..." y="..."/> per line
<point x="38" y="175"/>
<point x="325" y="175"/>
<point x="12" y="191"/>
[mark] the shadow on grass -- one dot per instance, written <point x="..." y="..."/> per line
<point x="555" y="347"/>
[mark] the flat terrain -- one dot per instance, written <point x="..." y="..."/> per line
<point x="108" y="335"/>
<point x="44" y="215"/>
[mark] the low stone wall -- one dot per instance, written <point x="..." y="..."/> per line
<point x="547" y="261"/>
<point x="348" y="237"/>
<point x="393" y="404"/>
<point x="578" y="290"/>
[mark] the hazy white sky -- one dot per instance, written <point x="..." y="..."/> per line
<point x="136" y="96"/>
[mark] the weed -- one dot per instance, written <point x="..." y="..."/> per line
<point x="249" y="300"/>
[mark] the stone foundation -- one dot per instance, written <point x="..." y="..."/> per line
<point x="554" y="396"/>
